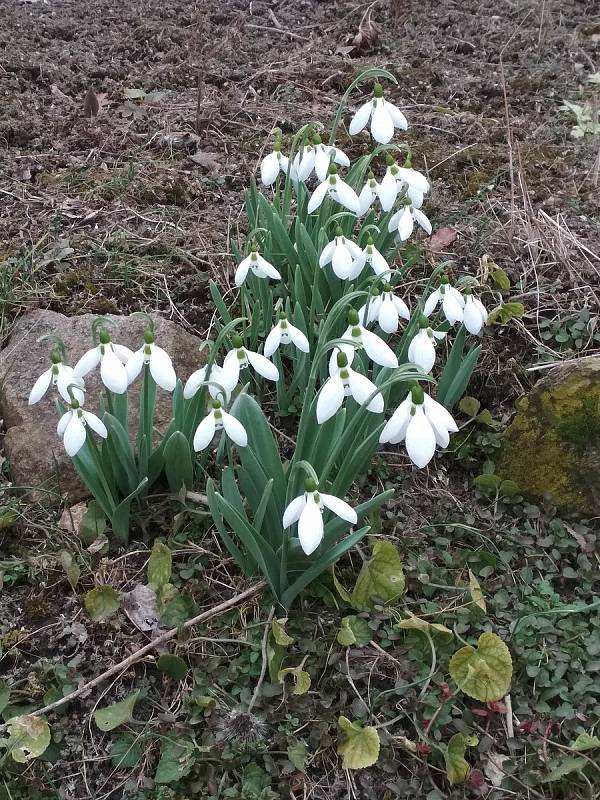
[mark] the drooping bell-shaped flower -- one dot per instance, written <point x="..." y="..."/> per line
<point x="368" y="194"/>
<point x="273" y="163"/>
<point x="474" y="313"/>
<point x="377" y="350"/>
<point x="303" y="163"/>
<point x="421" y="350"/>
<point x="307" y="511"/>
<point x="423" y="423"/>
<point x="73" y="424"/>
<point x="345" y="256"/>
<point x="374" y="258"/>
<point x="214" y="421"/>
<point x="345" y="382"/>
<point x="334" y="187"/>
<point x="386" y="309"/>
<point x="240" y="357"/>
<point x="216" y="385"/>
<point x="256" y="264"/>
<point x="453" y="303"/>
<point x="285" y="333"/>
<point x="402" y="223"/>
<point x="60" y="375"/>
<point x="112" y="359"/>
<point x="324" y="155"/>
<point x="384" y="117"/>
<point x="402" y="181"/>
<point x="158" y="361"/>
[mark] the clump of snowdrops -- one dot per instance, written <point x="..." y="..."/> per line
<point x="325" y="331"/>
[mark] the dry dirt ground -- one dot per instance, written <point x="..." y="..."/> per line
<point x="133" y="209"/>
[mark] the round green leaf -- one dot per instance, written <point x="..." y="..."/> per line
<point x="29" y="737"/>
<point x="483" y="672"/>
<point x="354" y="630"/>
<point x="116" y="714"/>
<point x="381" y="577"/>
<point x="125" y="752"/>
<point x="102" y="602"/>
<point x="173" y="666"/>
<point x="360" y="747"/>
<point x="457" y="769"/>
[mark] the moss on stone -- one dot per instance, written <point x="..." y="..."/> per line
<point x="552" y="447"/>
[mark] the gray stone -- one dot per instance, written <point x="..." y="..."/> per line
<point x="35" y="453"/>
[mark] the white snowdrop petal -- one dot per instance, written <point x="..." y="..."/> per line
<point x="472" y="318"/>
<point x="327" y="253"/>
<point x="362" y="388"/>
<point x="378" y="262"/>
<point x="134" y="366"/>
<point x="293" y="511"/>
<point x="387" y="191"/>
<point x="396" y="116"/>
<point x="161" y="369"/>
<point x="241" y="272"/>
<point x="452" y="309"/>
<point x="321" y="163"/>
<point x="360" y="119"/>
<point x="388" y="316"/>
<point x="63" y="422"/>
<point x="234" y="429"/>
<point x="204" y="433"/>
<point x="365" y="198"/>
<point x="330" y="398"/>
<point x="68" y="380"/>
<point x="339" y="507"/>
<point x="310" y="527"/>
<point x="341" y="260"/>
<point x="267" y="267"/>
<point x="318" y="196"/>
<point x="298" y="338"/>
<point x="40" y="387"/>
<point x="272" y="341"/>
<point x="74" y="436"/>
<point x="95" y="424"/>
<point x="263" y="366"/>
<point x="431" y="303"/>
<point x="269" y="169"/>
<point x="87" y="362"/>
<point x="112" y="373"/>
<point x="414" y="178"/>
<point x="397" y="422"/>
<point x="378" y="351"/>
<point x="347" y="196"/>
<point x="230" y="373"/>
<point x="123" y="353"/>
<point x="422" y="220"/>
<point x="340" y="157"/>
<point x="420" y="439"/>
<point x="193" y="383"/>
<point x="481" y="308"/>
<point x="382" y="126"/>
<point x="422" y="351"/>
<point x="307" y="163"/>
<point x="405" y="224"/>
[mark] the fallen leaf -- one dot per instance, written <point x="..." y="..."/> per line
<point x="70" y="519"/>
<point x="442" y="239"/>
<point x="141" y="607"/>
<point x="208" y="160"/>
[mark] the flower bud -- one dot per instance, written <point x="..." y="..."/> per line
<point x="310" y="485"/>
<point x="417" y="395"/>
<point x="353" y="318"/>
<point x="377" y="89"/>
<point x="236" y="341"/>
<point x="342" y="359"/>
<point x="148" y="336"/>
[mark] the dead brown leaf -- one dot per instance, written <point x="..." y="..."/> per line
<point x="141" y="607"/>
<point x="442" y="239"/>
<point x="70" y="519"/>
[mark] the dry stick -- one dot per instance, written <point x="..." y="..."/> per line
<point x="164" y="637"/>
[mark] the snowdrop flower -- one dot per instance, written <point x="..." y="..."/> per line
<point x="345" y="256"/>
<point x="285" y="333"/>
<point x="345" y="382"/>
<point x="112" y="359"/>
<point x="216" y="420"/>
<point x="377" y="350"/>
<point x="423" y="423"/>
<point x="72" y="427"/>
<point x="158" y="361"/>
<point x="307" y="511"/>
<point x="403" y="222"/>
<point x="474" y="314"/>
<point x="256" y="264"/>
<point x="60" y="375"/>
<point x="368" y="194"/>
<point x="384" y="117"/>
<point x="336" y="188"/>
<point x="238" y="358"/>
<point x="452" y="301"/>
<point x="399" y="180"/>
<point x="374" y="259"/>
<point x="324" y="155"/>
<point x="386" y="309"/>
<point x="273" y="163"/>
<point x="303" y="163"/>
<point x="421" y="350"/>
<point x="202" y="376"/>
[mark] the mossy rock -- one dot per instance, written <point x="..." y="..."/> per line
<point x="552" y="447"/>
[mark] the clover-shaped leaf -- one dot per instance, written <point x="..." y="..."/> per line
<point x="360" y="747"/>
<point x="483" y="672"/>
<point x="354" y="630"/>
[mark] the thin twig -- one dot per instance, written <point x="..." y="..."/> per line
<point x="164" y="637"/>
<point x="510" y="732"/>
<point x="265" y="659"/>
